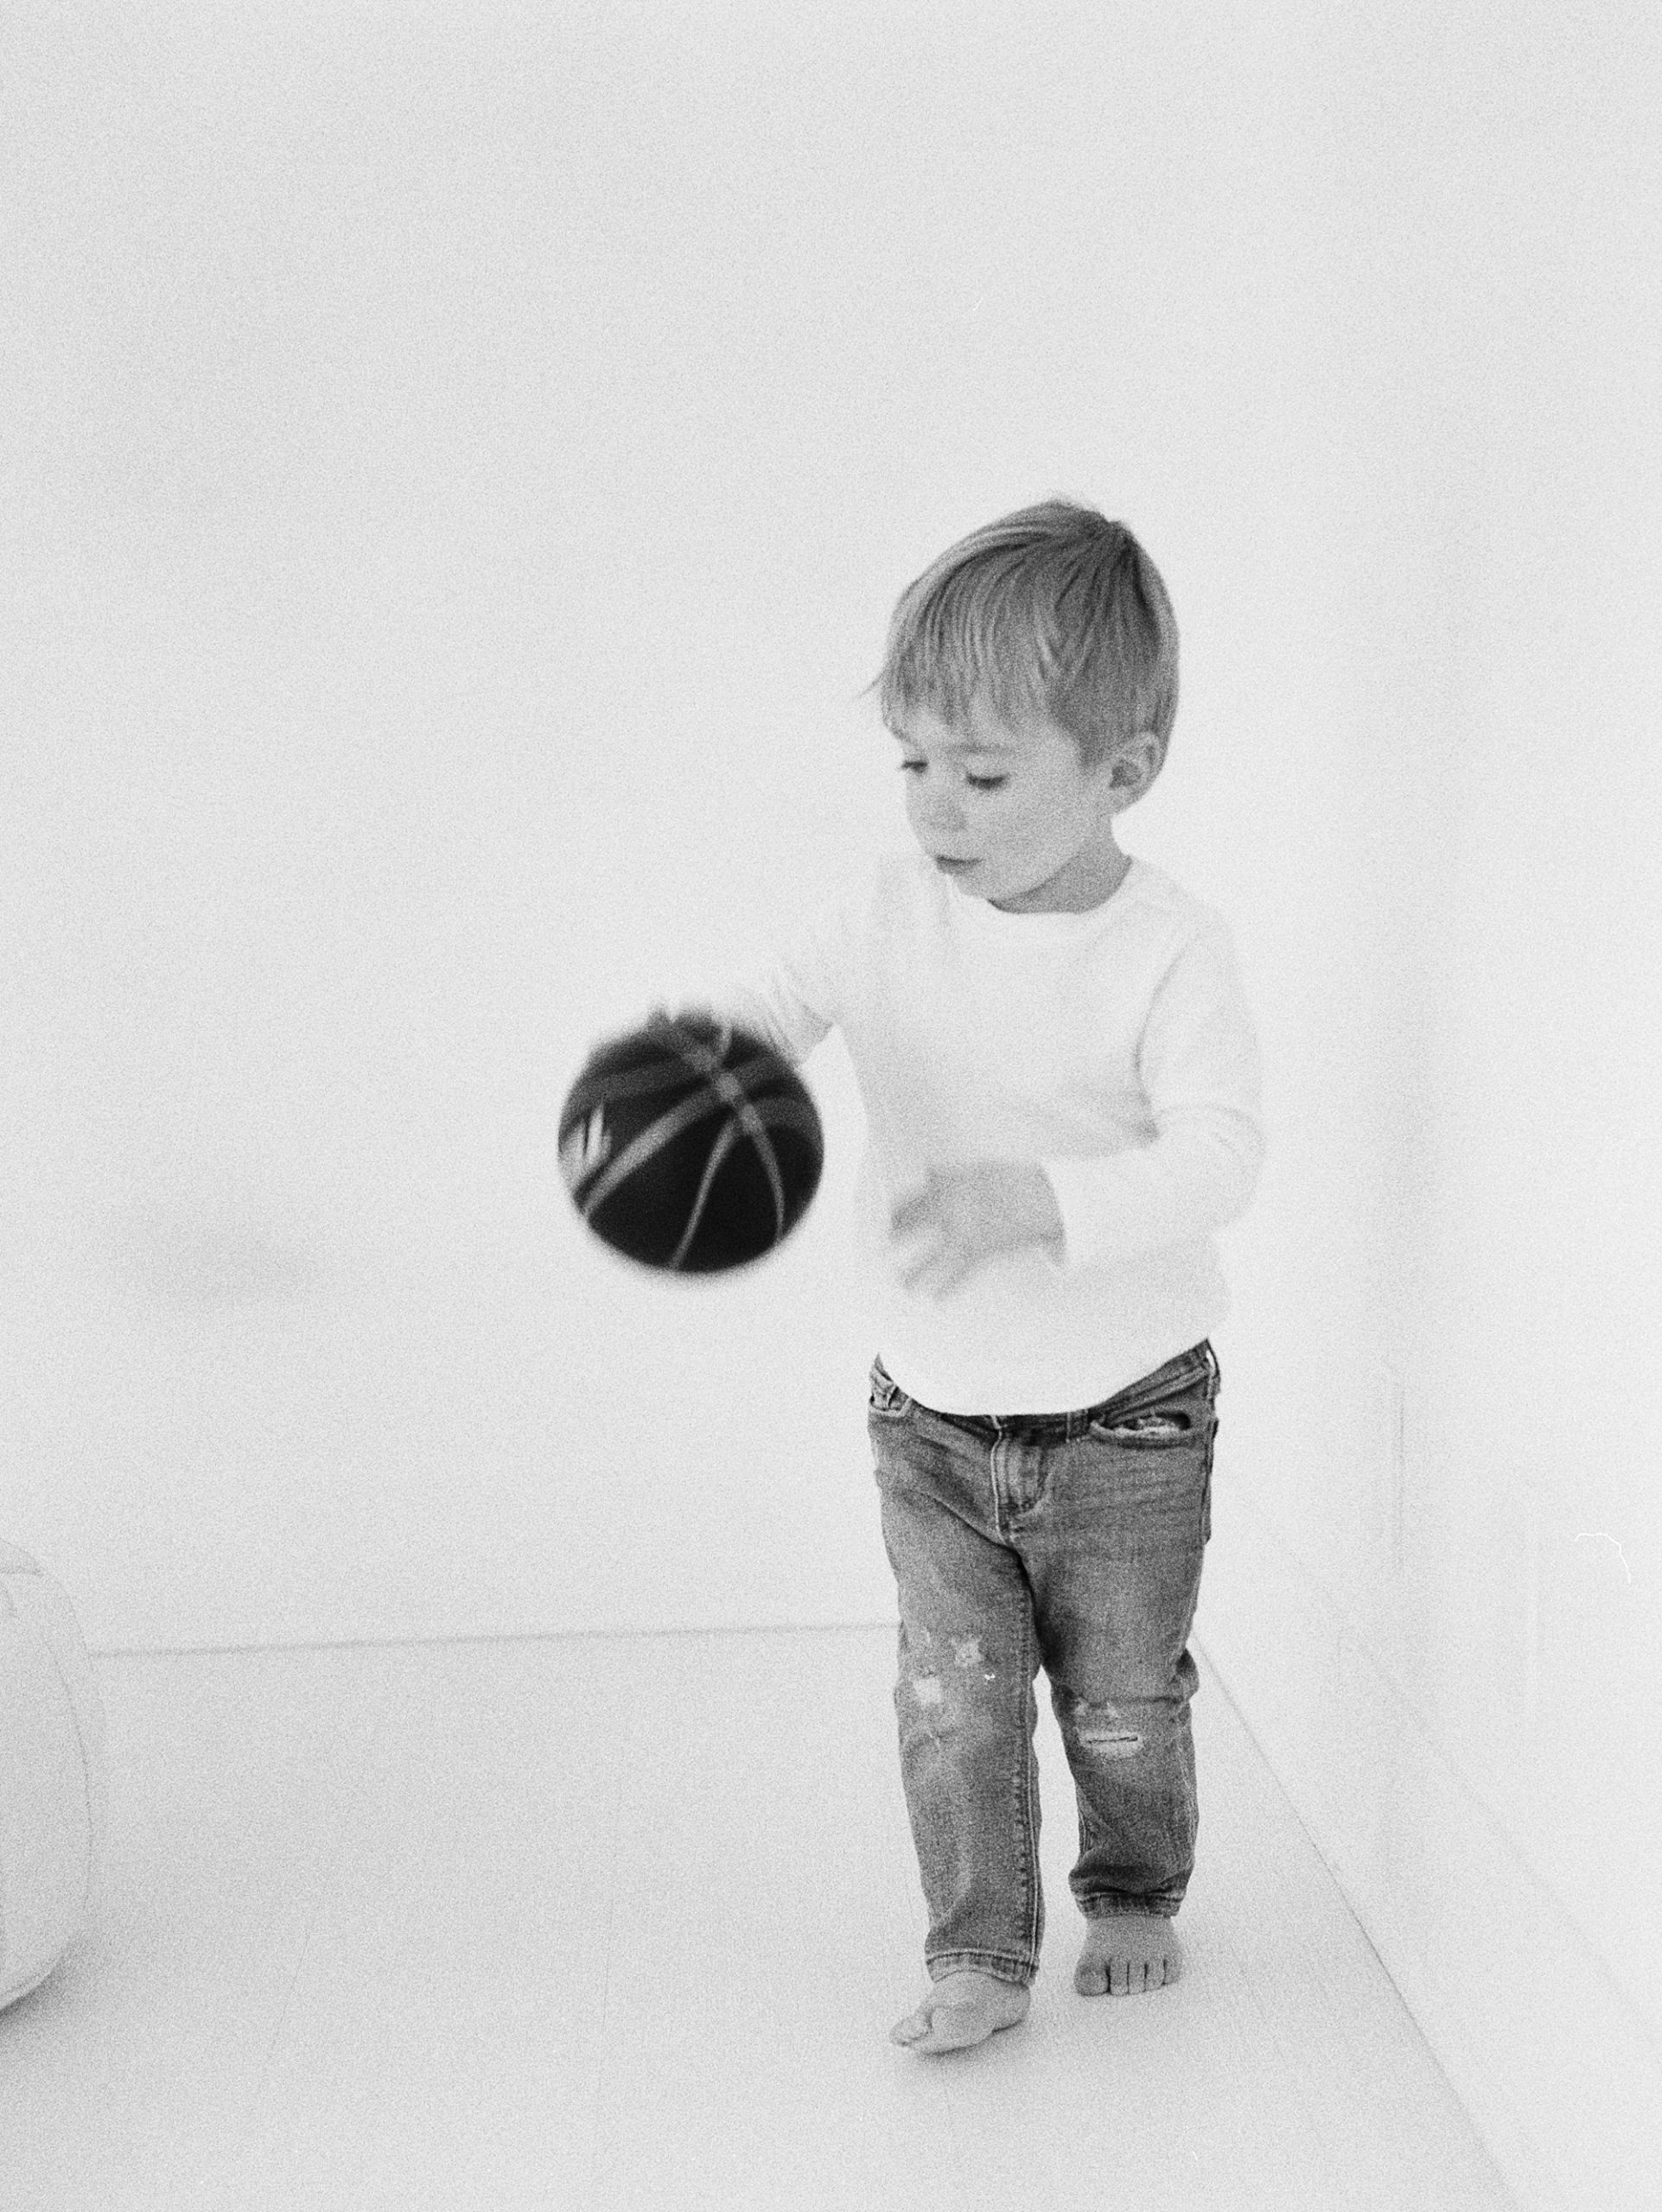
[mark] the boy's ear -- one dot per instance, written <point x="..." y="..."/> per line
<point x="1138" y="763"/>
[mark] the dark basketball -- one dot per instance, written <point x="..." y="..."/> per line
<point x="690" y="1145"/>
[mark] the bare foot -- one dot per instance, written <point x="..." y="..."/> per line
<point x="1125" y="1952"/>
<point x="962" y="2008"/>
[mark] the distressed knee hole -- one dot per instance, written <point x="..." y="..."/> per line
<point x="1118" y="1744"/>
<point x="966" y="1655"/>
<point x="1103" y="1731"/>
<point x="928" y="1689"/>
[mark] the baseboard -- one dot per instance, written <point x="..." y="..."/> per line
<point x="1536" y="2040"/>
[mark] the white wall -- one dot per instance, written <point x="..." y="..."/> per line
<point x="460" y="464"/>
<point x="1445" y="1448"/>
<point x="464" y="461"/>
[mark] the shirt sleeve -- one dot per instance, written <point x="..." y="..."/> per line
<point x="791" y="996"/>
<point x="775" y="1007"/>
<point x="1197" y="1063"/>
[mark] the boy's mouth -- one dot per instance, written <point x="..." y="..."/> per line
<point x="950" y="865"/>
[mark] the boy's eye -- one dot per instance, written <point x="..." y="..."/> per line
<point x="976" y="783"/>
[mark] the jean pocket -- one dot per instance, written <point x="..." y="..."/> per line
<point x="885" y="1400"/>
<point x="1145" y="1432"/>
<point x="1181" y="1414"/>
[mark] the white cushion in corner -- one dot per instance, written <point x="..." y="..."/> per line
<point x="52" y="1775"/>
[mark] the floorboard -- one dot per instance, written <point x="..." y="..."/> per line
<point x="591" y="1924"/>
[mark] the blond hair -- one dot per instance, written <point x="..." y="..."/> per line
<point x="1052" y="608"/>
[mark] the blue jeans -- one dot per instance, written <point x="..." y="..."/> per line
<point x="1073" y="1540"/>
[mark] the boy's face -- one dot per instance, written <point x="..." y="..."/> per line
<point x="1014" y="801"/>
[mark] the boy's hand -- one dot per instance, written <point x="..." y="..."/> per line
<point x="966" y="1215"/>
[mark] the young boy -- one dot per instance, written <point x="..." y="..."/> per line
<point x="1060" y="1079"/>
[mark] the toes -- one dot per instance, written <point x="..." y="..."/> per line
<point x="1126" y="1962"/>
<point x="943" y="2022"/>
<point x="931" y="2028"/>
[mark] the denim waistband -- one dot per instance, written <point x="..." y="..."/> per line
<point x="1189" y="1366"/>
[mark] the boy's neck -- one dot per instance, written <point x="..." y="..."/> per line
<point x="1088" y="880"/>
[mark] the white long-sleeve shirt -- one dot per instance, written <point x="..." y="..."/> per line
<point x="1114" y="1047"/>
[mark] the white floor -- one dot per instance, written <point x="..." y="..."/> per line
<point x="610" y="1923"/>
